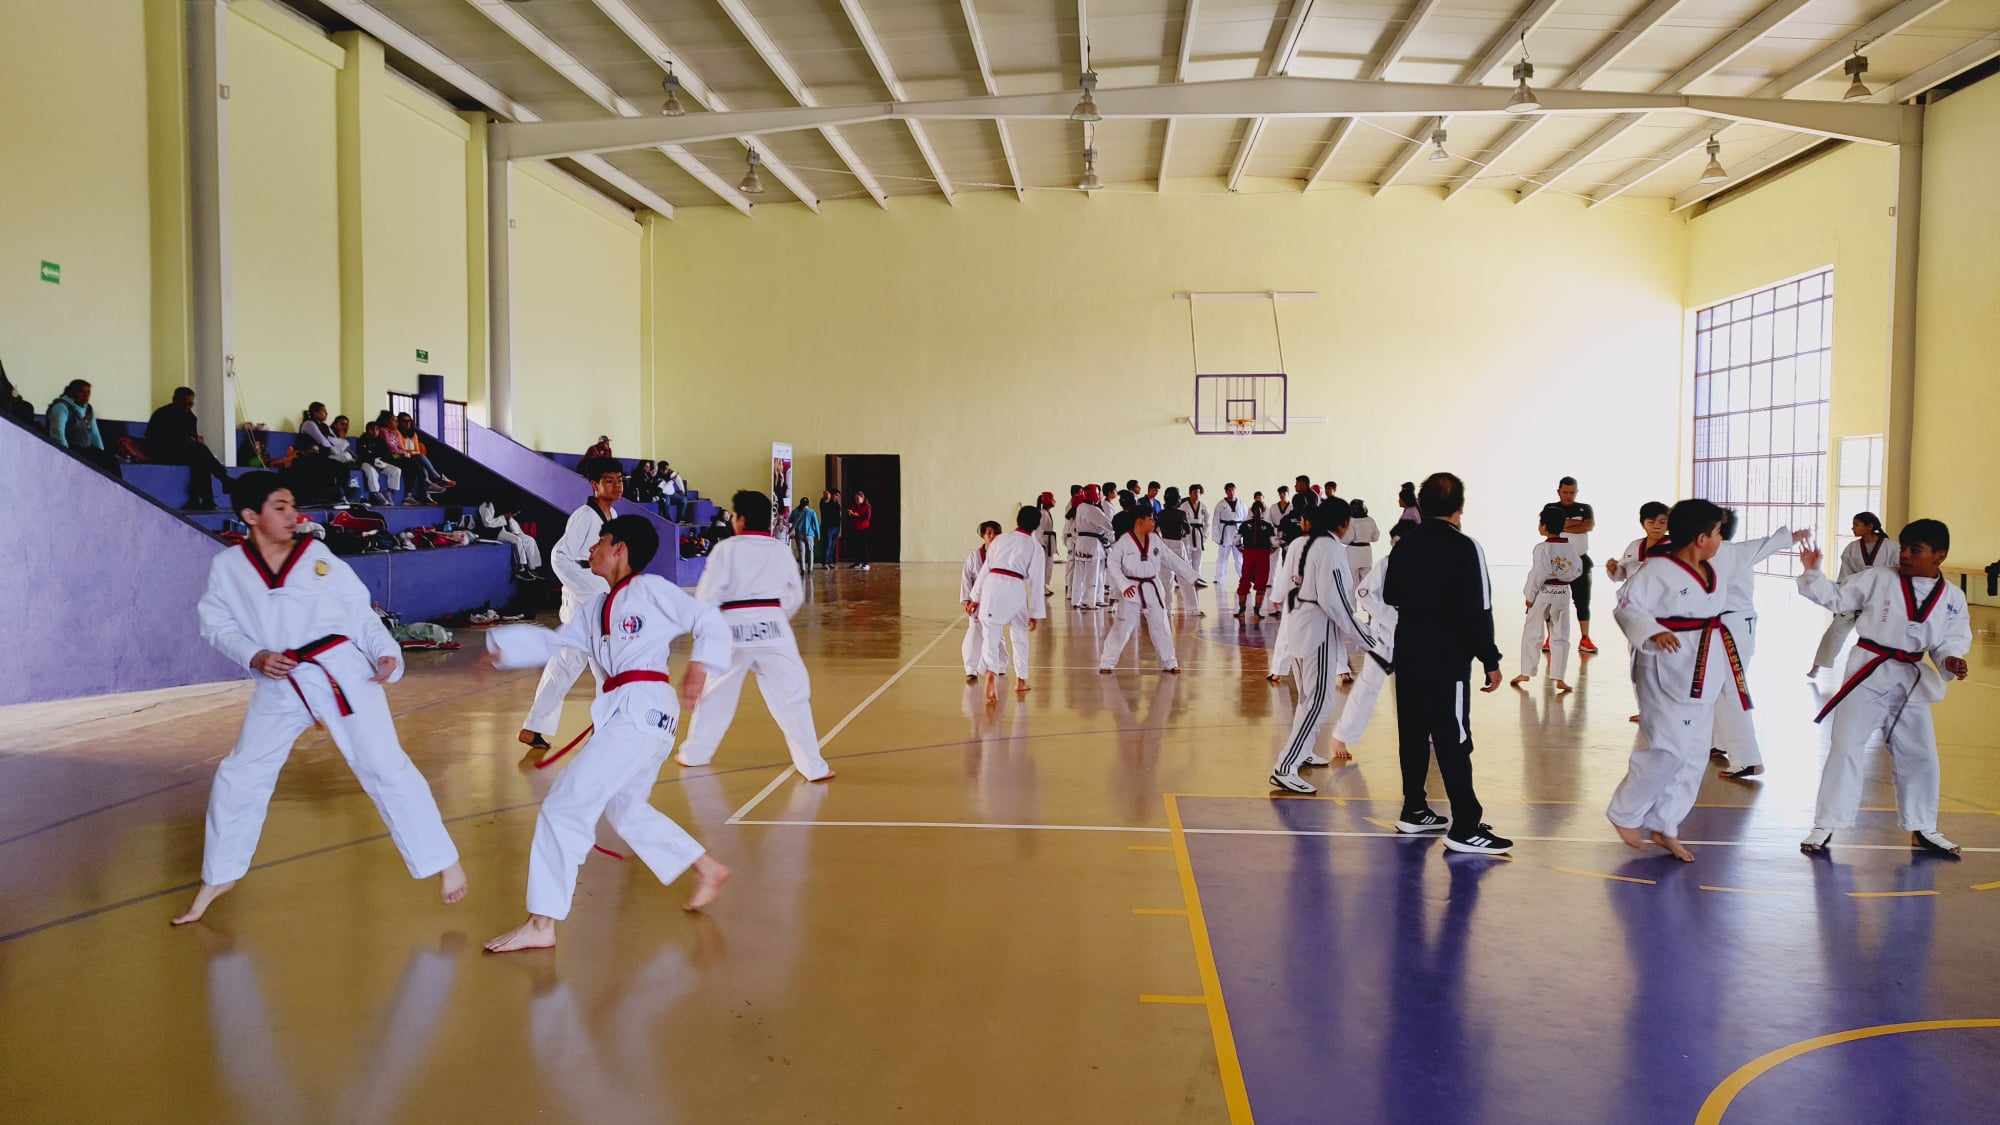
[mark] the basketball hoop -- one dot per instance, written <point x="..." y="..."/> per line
<point x="1242" y="427"/>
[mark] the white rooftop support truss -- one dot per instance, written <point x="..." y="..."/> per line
<point x="646" y="39"/>
<point x="1783" y="86"/>
<point x="1188" y="20"/>
<point x="1377" y="70"/>
<point x="1083" y="67"/>
<point x="1281" y="63"/>
<point x="986" y="76"/>
<point x="1607" y="52"/>
<point x="872" y="43"/>
<point x="767" y="50"/>
<point x="596" y="89"/>
<point x="1474" y="74"/>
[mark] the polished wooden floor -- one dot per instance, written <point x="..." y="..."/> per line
<point x="989" y="916"/>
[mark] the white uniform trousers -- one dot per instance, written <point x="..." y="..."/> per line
<point x="1003" y="618"/>
<point x="1881" y="703"/>
<point x="787" y="690"/>
<point x="241" y="793"/>
<point x="1361" y="699"/>
<point x="377" y="477"/>
<point x="558" y="676"/>
<point x="974" y="645"/>
<point x="1735" y="732"/>
<point x="527" y="552"/>
<point x="1549" y="617"/>
<point x="610" y="777"/>
<point x="1228" y="560"/>
<point x="1085" y="581"/>
<point x="1196" y="547"/>
<point x="1126" y="622"/>
<point x="1185" y="598"/>
<point x="1313" y="675"/>
<point x="1834" y="639"/>
<point x="1664" y="775"/>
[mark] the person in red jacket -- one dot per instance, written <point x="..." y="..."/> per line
<point x="860" y="519"/>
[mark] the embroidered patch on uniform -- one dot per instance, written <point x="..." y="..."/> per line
<point x="631" y="625"/>
<point x="320" y="568"/>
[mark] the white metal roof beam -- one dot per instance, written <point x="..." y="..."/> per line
<point x="1379" y="69"/>
<point x="1606" y="53"/>
<point x="986" y="76"/>
<point x="872" y="44"/>
<point x="1281" y="63"/>
<point x="1475" y="73"/>
<point x="1188" y="20"/>
<point x="596" y="89"/>
<point x="646" y="39"/>
<point x="767" y="50"/>
<point x="1783" y="86"/>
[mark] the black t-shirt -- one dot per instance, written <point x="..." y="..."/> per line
<point x="1173" y="524"/>
<point x="1576" y="511"/>
<point x="170" y="427"/>
<point x="1257" y="534"/>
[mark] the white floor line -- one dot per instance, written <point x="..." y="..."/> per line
<point x="737" y="816"/>
<point x="954" y="824"/>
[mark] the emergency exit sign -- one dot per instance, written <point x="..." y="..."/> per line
<point x="52" y="272"/>
<point x="423" y="356"/>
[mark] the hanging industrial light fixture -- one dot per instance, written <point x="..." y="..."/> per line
<point x="751" y="183"/>
<point x="1855" y="67"/>
<point x="1437" y="146"/>
<point x="1714" y="173"/>
<point x="672" y="107"/>
<point x="1523" y="99"/>
<point x="1086" y="106"/>
<point x="1090" y="181"/>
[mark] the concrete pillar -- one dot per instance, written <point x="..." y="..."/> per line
<point x="499" y="309"/>
<point x="212" y="322"/>
<point x="477" y="402"/>
<point x="1903" y="323"/>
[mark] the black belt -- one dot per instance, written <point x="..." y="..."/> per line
<point x="754" y="603"/>
<point x="1883" y="655"/>
<point x="306" y="654"/>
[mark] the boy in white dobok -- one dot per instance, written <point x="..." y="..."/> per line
<point x="1378" y="663"/>
<point x="1554" y="564"/>
<point x="1902" y="616"/>
<point x="749" y="577"/>
<point x="625" y="634"/>
<point x="1004" y="603"/>
<point x="1135" y="565"/>
<point x="1653" y="522"/>
<point x="1230" y="513"/>
<point x="974" y="646"/>
<point x="1086" y="556"/>
<point x="579" y="586"/>
<point x="297" y="616"/>
<point x="1870" y="548"/>
<point x="1318" y="631"/>
<point x="1671" y="612"/>
<point x="1733" y="741"/>
<point x="1197" y="537"/>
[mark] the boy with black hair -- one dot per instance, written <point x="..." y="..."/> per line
<point x="974" y="646"/>
<point x="294" y="613"/>
<point x="1197" y="540"/>
<point x="1229" y="512"/>
<point x="1109" y="504"/>
<point x="1319" y="630"/>
<point x="570" y="561"/>
<point x="625" y="633"/>
<point x="1733" y="740"/>
<point x="1902" y="617"/>
<point x="750" y="578"/>
<point x="1650" y="544"/>
<point x="1554" y="564"/>
<point x="1135" y="564"/>
<point x="1003" y="601"/>
<point x="1090" y="530"/>
<point x="1257" y="539"/>
<point x="1671" y="612"/>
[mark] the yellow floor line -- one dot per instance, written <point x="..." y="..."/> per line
<point x="1159" y="912"/>
<point x="1235" y="1095"/>
<point x="1994" y="886"/>
<point x="1379" y="823"/>
<point x="1745" y="890"/>
<point x="1604" y="875"/>
<point x="1147" y="848"/>
<point x="1890" y="894"/>
<point x="1156" y="998"/>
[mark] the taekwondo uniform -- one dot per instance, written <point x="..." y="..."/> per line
<point x="751" y="579"/>
<point x="1086" y="560"/>
<point x="1677" y="690"/>
<point x="1182" y="595"/>
<point x="1555" y="564"/>
<point x="1734" y="733"/>
<point x="974" y="644"/>
<point x="1069" y="526"/>
<point x="1138" y="568"/>
<point x="1229" y="515"/>
<point x="1107" y="595"/>
<point x="571" y="562"/>
<point x="1636" y="553"/>
<point x="1005" y="593"/>
<point x="1046" y="535"/>
<point x="1253" y="544"/>
<point x="1319" y="630"/>
<point x="1360" y="539"/>
<point x="1197" y="534"/>
<point x="1854" y="558"/>
<point x="506" y="529"/>
<point x="624" y="634"/>
<point x="1888" y="688"/>
<point x="316" y="611"/>
<point x="1379" y="663"/>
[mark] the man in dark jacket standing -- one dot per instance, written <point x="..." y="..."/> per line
<point x="1444" y="600"/>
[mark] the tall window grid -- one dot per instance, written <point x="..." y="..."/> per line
<point x="1763" y="365"/>
<point x="1860" y="487"/>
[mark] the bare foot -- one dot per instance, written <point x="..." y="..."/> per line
<point x="1680" y="851"/>
<point x="992" y="688"/>
<point x="972" y="677"/>
<point x="712" y="875"/>
<point x="202" y="898"/>
<point x="1563" y="688"/>
<point x="1021" y="687"/>
<point x="1631" y="837"/>
<point x="538" y="932"/>
<point x="827" y="776"/>
<point x="451" y="884"/>
<point x="1633" y="719"/>
<point x="1340" y="751"/>
<point x="1173" y="671"/>
<point x="1517" y="681"/>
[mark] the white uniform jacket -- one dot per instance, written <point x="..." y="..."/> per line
<point x="1900" y="621"/>
<point x="752" y="579"/>
<point x="313" y="608"/>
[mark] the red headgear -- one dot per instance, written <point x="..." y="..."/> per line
<point x="1046" y="500"/>
<point x="1093" y="494"/>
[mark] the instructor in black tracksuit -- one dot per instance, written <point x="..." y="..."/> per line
<point x="1444" y="600"/>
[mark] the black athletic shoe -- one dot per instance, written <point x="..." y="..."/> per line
<point x="1744" y="773"/>
<point x="1481" y="841"/>
<point x="1421" y="820"/>
<point x="1717" y="754"/>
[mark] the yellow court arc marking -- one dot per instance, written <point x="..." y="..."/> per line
<point x="1717" y="1102"/>
<point x="1890" y="894"/>
<point x="1158" y="998"/>
<point x="1994" y="886"/>
<point x="1235" y="1095"/>
<point x="1606" y="875"/>
<point x="1379" y="823"/>
<point x="1159" y="911"/>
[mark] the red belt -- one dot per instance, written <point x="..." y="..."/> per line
<point x="1883" y="655"/>
<point x="305" y="654"/>
<point x="753" y="603"/>
<point x="1709" y="627"/>
<point x="1009" y="573"/>
<point x="636" y="676"/>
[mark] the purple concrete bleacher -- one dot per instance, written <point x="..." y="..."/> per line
<point x="169" y="483"/>
<point x="700" y="510"/>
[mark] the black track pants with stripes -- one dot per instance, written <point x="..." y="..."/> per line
<point x="1313" y="673"/>
<point x="1436" y="712"/>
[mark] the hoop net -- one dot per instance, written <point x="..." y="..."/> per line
<point x="1242" y="427"/>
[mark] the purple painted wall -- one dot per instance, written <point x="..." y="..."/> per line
<point x="100" y="584"/>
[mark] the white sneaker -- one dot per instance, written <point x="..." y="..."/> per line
<point x="1292" y="782"/>
<point x="1312" y="759"/>
<point x="1816" y="841"/>
<point x="1931" y="840"/>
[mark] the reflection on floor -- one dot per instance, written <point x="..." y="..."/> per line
<point x="1076" y="907"/>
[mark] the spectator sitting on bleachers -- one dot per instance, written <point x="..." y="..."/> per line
<point x="673" y="493"/>
<point x="313" y="475"/>
<point x="416" y="485"/>
<point x="371" y="451"/>
<point x="643" y="486"/>
<point x="413" y="448"/>
<point x="173" y="437"/>
<point x="11" y="403"/>
<point x="497" y="522"/>
<point x="601" y="449"/>
<point x="72" y="424"/>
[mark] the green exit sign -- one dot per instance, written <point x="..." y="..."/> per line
<point x="52" y="272"/>
<point x="423" y="356"/>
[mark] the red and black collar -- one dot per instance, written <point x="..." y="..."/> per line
<point x="1867" y="553"/>
<point x="1705" y="576"/>
<point x="1919" y="612"/>
<point x="274" y="580"/>
<point x="604" y="615"/>
<point x="606" y="514"/>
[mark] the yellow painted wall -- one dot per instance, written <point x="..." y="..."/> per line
<point x="1955" y="457"/>
<point x="284" y="214"/>
<point x="1834" y="212"/>
<point x="575" y="287"/>
<point x="1004" y="348"/>
<point x="415" y="254"/>
<point x="74" y="192"/>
